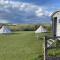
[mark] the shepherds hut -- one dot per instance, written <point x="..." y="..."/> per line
<point x="56" y="23"/>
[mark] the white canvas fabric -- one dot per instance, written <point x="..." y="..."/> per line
<point x="40" y="30"/>
<point x="4" y="29"/>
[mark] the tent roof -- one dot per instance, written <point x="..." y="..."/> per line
<point x="40" y="30"/>
<point x="4" y="29"/>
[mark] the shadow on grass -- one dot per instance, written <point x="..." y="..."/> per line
<point x="39" y="57"/>
<point x="10" y="33"/>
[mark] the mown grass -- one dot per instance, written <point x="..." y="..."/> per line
<point x="20" y="46"/>
<point x="23" y="45"/>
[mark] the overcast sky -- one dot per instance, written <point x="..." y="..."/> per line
<point x="27" y="11"/>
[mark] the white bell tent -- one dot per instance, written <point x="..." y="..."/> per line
<point x="4" y="29"/>
<point x="40" y="30"/>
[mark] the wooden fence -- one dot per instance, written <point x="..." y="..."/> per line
<point x="46" y="57"/>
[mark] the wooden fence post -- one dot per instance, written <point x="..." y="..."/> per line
<point x="45" y="48"/>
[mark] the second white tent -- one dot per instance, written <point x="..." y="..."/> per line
<point x="40" y="30"/>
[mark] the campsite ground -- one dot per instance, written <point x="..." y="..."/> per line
<point x="21" y="45"/>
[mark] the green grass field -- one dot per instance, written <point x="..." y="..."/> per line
<point x="21" y="46"/>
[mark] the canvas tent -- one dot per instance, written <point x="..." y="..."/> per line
<point x="40" y="30"/>
<point x="4" y="29"/>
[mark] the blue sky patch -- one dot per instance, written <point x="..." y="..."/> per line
<point x="27" y="11"/>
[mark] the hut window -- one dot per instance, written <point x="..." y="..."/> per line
<point x="59" y="20"/>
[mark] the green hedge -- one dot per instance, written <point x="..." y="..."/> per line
<point x="28" y="27"/>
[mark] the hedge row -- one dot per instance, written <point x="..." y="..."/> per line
<point x="28" y="27"/>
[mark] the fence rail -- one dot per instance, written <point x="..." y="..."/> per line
<point x="46" y="57"/>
